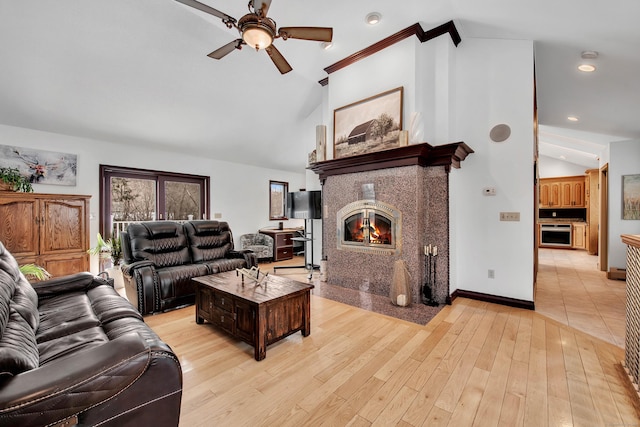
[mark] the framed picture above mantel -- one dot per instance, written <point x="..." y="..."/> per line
<point x="372" y="124"/>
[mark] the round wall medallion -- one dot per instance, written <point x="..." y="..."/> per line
<point x="500" y="133"/>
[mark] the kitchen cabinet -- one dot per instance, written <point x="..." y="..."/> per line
<point x="50" y="230"/>
<point x="579" y="235"/>
<point x="563" y="192"/>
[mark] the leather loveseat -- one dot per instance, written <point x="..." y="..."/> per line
<point x="74" y="352"/>
<point x="161" y="258"/>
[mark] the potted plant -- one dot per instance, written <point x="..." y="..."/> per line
<point x="34" y="272"/>
<point x="110" y="248"/>
<point x="14" y="181"/>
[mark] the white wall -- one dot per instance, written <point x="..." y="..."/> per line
<point x="462" y="93"/>
<point x="239" y="192"/>
<point x="624" y="160"/>
<point x="391" y="68"/>
<point x="494" y="84"/>
<point x="548" y="167"/>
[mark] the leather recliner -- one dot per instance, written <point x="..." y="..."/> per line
<point x="161" y="258"/>
<point x="75" y="352"/>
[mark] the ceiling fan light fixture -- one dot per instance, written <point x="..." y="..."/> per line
<point x="373" y="18"/>
<point x="257" y="37"/>
<point x="257" y="32"/>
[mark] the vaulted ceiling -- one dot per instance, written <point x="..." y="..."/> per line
<point x="136" y="72"/>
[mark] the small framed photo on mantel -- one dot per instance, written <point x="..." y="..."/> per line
<point x="372" y="124"/>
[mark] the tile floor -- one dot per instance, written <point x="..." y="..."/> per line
<point x="572" y="291"/>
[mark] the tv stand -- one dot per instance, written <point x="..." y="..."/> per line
<point x="308" y="261"/>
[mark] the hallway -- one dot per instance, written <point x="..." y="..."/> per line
<point x="572" y="291"/>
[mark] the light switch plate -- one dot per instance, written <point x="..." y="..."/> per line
<point x="509" y="216"/>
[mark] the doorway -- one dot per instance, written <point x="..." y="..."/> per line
<point x="603" y="226"/>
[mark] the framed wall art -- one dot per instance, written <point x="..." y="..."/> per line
<point x="370" y="125"/>
<point x="631" y="197"/>
<point x="41" y="166"/>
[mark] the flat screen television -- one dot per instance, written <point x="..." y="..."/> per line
<point x="305" y="204"/>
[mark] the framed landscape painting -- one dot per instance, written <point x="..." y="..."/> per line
<point x="631" y="197"/>
<point x="370" y="125"/>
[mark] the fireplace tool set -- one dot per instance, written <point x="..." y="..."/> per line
<point x="430" y="254"/>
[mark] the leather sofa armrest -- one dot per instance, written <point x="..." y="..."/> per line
<point x="61" y="389"/>
<point x="249" y="257"/>
<point x="129" y="268"/>
<point x="73" y="282"/>
<point x="140" y="279"/>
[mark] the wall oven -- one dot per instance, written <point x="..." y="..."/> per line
<point x="558" y="235"/>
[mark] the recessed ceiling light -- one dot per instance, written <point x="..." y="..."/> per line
<point x="586" y="68"/>
<point x="373" y="18"/>
<point x="326" y="45"/>
<point x="563" y="157"/>
<point x="589" y="54"/>
<point x="573" y="118"/>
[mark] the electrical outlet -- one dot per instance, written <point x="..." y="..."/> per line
<point x="509" y="216"/>
<point x="217" y="215"/>
<point x="491" y="274"/>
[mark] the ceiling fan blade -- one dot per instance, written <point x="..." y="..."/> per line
<point x="261" y="5"/>
<point x="208" y="9"/>
<point x="321" y="34"/>
<point x="226" y="49"/>
<point x="278" y="59"/>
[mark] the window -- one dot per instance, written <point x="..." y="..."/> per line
<point x="278" y="200"/>
<point x="132" y="195"/>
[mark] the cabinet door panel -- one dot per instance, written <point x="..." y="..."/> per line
<point x="63" y="224"/>
<point x="63" y="265"/>
<point x="544" y="195"/>
<point x="18" y="229"/>
<point x="555" y="195"/>
<point x="566" y="193"/>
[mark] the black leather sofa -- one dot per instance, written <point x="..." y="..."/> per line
<point x="161" y="258"/>
<point x="74" y="352"/>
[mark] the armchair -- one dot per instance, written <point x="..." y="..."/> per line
<point x="260" y="244"/>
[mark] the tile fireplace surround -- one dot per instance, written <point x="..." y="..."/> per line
<point x="415" y="180"/>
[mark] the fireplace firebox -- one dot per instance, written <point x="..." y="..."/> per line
<point x="369" y="226"/>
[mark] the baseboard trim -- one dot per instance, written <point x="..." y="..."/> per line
<point x="617" y="273"/>
<point x="495" y="299"/>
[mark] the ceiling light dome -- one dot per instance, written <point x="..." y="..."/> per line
<point x="373" y="18"/>
<point x="257" y="32"/>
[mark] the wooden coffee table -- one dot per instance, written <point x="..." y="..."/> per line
<point x="257" y="314"/>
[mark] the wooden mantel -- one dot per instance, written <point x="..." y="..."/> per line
<point x="424" y="154"/>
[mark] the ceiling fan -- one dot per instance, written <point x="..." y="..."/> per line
<point x="259" y="31"/>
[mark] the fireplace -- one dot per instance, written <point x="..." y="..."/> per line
<point x="382" y="207"/>
<point x="369" y="226"/>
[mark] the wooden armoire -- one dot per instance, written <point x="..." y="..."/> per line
<point x="50" y="230"/>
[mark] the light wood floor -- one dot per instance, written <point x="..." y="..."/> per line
<point x="474" y="364"/>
